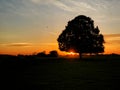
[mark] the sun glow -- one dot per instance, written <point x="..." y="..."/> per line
<point x="72" y="53"/>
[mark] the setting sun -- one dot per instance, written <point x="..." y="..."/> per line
<point x="71" y="53"/>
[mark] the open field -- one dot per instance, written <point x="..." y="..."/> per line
<point x="92" y="73"/>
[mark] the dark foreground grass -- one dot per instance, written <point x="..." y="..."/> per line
<point x="93" y="73"/>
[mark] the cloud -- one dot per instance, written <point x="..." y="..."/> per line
<point x="83" y="5"/>
<point x="27" y="44"/>
<point x="43" y="1"/>
<point x="36" y="1"/>
<point x="112" y="38"/>
<point x="19" y="44"/>
<point x="22" y="8"/>
<point x="112" y="35"/>
<point x="63" y="6"/>
<point x="73" y="6"/>
<point x="33" y="7"/>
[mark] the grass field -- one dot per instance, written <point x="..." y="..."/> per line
<point x="93" y="73"/>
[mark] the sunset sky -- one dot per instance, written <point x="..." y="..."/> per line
<point x="29" y="26"/>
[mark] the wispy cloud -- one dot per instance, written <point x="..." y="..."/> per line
<point x="66" y="5"/>
<point x="73" y="6"/>
<point x="42" y="1"/>
<point x="27" y="44"/>
<point x="82" y="5"/>
<point x="19" y="7"/>
<point x="32" y="7"/>
<point x="17" y="44"/>
<point x="112" y="43"/>
<point x="63" y="6"/>
<point x="35" y="1"/>
<point x="112" y="38"/>
<point x="112" y="35"/>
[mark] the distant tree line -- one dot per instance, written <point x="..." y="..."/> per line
<point x="52" y="53"/>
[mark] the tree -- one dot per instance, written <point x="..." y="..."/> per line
<point x="81" y="36"/>
<point x="53" y="53"/>
<point x="41" y="54"/>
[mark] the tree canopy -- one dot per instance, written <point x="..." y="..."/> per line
<point x="81" y="36"/>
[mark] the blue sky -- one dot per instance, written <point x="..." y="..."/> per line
<point x="37" y="23"/>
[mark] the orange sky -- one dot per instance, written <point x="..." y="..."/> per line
<point x="112" y="45"/>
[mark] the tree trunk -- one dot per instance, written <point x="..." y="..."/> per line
<point x="80" y="54"/>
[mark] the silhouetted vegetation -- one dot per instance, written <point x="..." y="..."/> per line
<point x="81" y="36"/>
<point x="52" y="53"/>
<point x="41" y="54"/>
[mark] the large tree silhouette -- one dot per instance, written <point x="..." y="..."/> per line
<point x="81" y="36"/>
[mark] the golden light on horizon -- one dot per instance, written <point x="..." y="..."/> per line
<point x="72" y="53"/>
